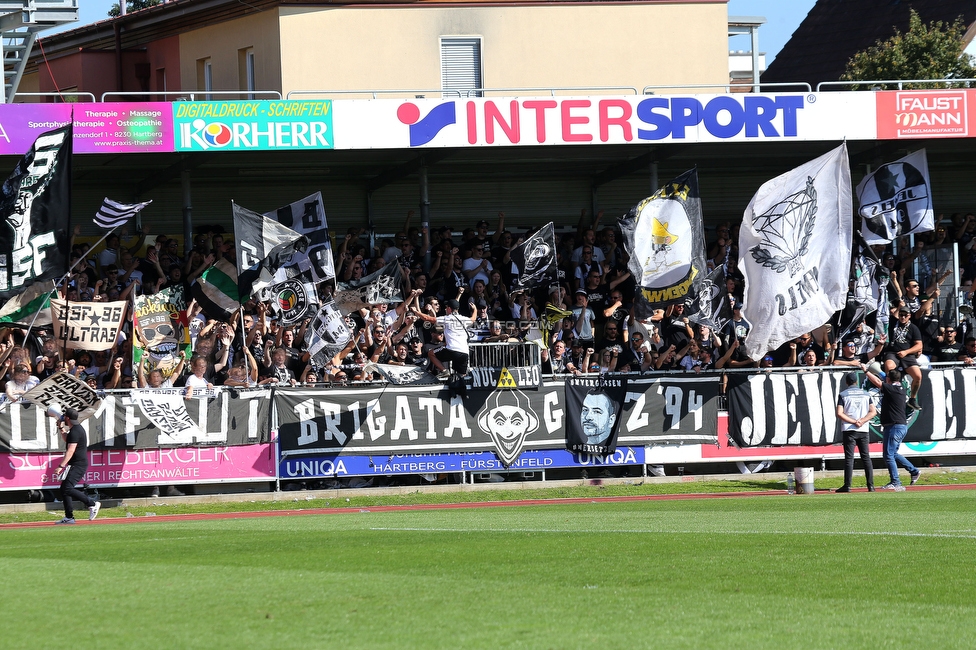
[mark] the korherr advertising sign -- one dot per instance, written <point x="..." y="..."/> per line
<point x="253" y="125"/>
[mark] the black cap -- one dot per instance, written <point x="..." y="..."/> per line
<point x="483" y="223"/>
<point x="453" y="304"/>
<point x="851" y="378"/>
<point x="480" y="303"/>
<point x="581" y="292"/>
<point x="71" y="414"/>
<point x="904" y="310"/>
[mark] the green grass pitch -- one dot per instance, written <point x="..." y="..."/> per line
<point x="828" y="571"/>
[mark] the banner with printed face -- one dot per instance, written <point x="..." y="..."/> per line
<point x="161" y="331"/>
<point x="231" y="417"/>
<point x="63" y="391"/>
<point x="665" y="239"/>
<point x="593" y="413"/>
<point x="420" y="419"/>
<point x="800" y="408"/>
<point x="87" y="325"/>
<point x="307" y="217"/>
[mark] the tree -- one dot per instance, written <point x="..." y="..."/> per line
<point x="132" y="5"/>
<point x="933" y="51"/>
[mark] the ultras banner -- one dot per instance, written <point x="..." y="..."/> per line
<point x="772" y="409"/>
<point x="231" y="417"/>
<point x="419" y="419"/>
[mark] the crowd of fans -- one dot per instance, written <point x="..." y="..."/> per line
<point x="585" y="321"/>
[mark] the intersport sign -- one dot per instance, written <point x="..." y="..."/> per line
<point x="528" y="121"/>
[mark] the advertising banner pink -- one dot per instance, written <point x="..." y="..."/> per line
<point x="98" y="128"/>
<point x="133" y="467"/>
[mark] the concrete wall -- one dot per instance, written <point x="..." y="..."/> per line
<point x="522" y="46"/>
<point x="222" y="45"/>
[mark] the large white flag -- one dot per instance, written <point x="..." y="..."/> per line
<point x="896" y="200"/>
<point x="795" y="245"/>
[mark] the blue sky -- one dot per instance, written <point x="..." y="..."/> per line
<point x="782" y="18"/>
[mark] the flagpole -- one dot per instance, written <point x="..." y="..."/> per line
<point x="65" y="276"/>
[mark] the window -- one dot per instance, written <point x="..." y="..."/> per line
<point x="205" y="77"/>
<point x="245" y="67"/>
<point x="461" y="65"/>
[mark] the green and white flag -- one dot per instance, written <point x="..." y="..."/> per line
<point x="35" y="299"/>
<point x="216" y="291"/>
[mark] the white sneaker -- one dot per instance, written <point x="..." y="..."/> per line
<point x="93" y="511"/>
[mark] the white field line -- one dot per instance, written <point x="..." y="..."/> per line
<point x="882" y="533"/>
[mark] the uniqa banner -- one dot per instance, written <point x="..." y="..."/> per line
<point x="800" y="408"/>
<point x="419" y="419"/>
<point x="231" y="417"/>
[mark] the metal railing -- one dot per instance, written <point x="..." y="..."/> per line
<point x="802" y="85"/>
<point x="503" y="355"/>
<point x="67" y="93"/>
<point x="899" y="83"/>
<point x="416" y="94"/>
<point x="191" y="95"/>
<point x="480" y="92"/>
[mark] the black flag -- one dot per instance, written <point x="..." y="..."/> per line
<point x="36" y="209"/>
<point x="711" y="306"/>
<point x="385" y="285"/>
<point x="594" y="410"/>
<point x="263" y="246"/>
<point x="535" y="259"/>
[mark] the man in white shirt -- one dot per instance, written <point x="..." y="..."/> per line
<point x="855" y="410"/>
<point x="455" y="327"/>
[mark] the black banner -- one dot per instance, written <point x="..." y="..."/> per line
<point x="799" y="408"/>
<point x="594" y="406"/>
<point x="231" y="417"/>
<point x="35" y="205"/>
<point x="418" y="419"/>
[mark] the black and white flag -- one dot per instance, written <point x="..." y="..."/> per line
<point x="293" y="299"/>
<point x="307" y="217"/>
<point x="795" y="251"/>
<point x="535" y="259"/>
<point x="383" y="286"/>
<point x="263" y="246"/>
<point x="113" y="214"/>
<point x="664" y="236"/>
<point x="896" y="200"/>
<point x="36" y="208"/>
<point x="711" y="305"/>
<point x="402" y="375"/>
<point x="327" y="334"/>
<point x="166" y="409"/>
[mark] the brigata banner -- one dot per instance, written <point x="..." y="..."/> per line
<point x="800" y="408"/>
<point x="135" y="467"/>
<point x="419" y="419"/>
<point x="299" y="468"/>
<point x="231" y="417"/>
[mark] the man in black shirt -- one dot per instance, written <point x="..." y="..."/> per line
<point x="904" y="345"/>
<point x="895" y="425"/>
<point x="75" y="457"/>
